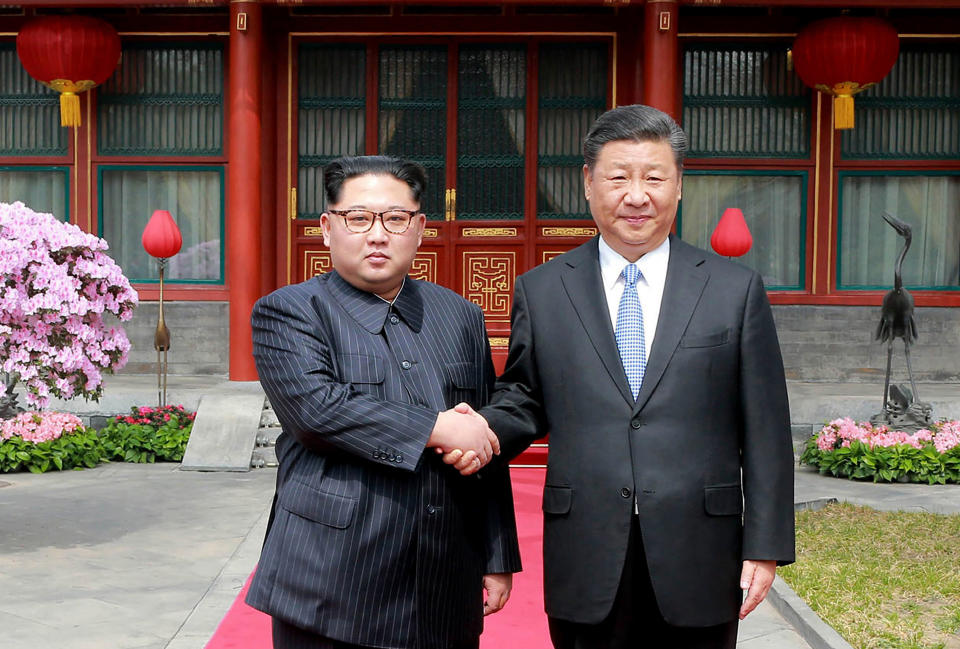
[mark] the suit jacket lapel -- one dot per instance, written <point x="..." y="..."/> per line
<point x="584" y="287"/>
<point x="681" y="293"/>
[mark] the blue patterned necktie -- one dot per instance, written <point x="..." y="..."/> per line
<point x="630" y="340"/>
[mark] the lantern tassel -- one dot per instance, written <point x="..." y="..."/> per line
<point x="69" y="109"/>
<point x="843" y="111"/>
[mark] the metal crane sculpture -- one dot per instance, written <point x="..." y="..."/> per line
<point x="896" y="321"/>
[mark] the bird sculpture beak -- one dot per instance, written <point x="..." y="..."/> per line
<point x="903" y="228"/>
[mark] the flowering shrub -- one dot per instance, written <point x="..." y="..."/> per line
<point x="38" y="442"/>
<point x="56" y="284"/>
<point x="148" y="434"/>
<point x="847" y="449"/>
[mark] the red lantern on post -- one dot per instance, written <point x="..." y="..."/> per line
<point x="731" y="237"/>
<point x="842" y="56"/>
<point x="161" y="239"/>
<point x="69" y="54"/>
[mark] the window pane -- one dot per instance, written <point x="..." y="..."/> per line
<point x="913" y="113"/>
<point x="743" y="102"/>
<point x="773" y="206"/>
<point x="330" y="117"/>
<point x="194" y="197"/>
<point x="869" y="246"/>
<point x="490" y="132"/>
<point x="42" y="190"/>
<point x="573" y="93"/>
<point x="29" y="112"/>
<point x="413" y="114"/>
<point x="163" y="100"/>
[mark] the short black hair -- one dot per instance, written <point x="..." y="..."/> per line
<point x="341" y="170"/>
<point x="637" y="123"/>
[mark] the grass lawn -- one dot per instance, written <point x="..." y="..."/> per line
<point x="883" y="580"/>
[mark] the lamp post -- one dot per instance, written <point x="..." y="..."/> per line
<point x="162" y="240"/>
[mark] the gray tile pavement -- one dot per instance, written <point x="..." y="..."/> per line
<point x="146" y="556"/>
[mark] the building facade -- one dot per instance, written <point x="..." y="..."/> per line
<point x="224" y="114"/>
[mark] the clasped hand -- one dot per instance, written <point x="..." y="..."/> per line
<point x="464" y="439"/>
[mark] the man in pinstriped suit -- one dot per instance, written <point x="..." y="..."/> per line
<point x="373" y="541"/>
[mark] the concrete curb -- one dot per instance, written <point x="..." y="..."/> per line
<point x="815" y="632"/>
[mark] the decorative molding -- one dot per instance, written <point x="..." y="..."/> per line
<point x="547" y="255"/>
<point x="489" y="232"/>
<point x="499" y="341"/>
<point x="488" y="282"/>
<point x="313" y="231"/>
<point x="431" y="233"/>
<point x="568" y="232"/>
<point x="424" y="267"/>
<point x="316" y="262"/>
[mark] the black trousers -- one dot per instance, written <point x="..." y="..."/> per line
<point x="287" y="636"/>
<point x="635" y="621"/>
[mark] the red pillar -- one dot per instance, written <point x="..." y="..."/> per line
<point x="661" y="62"/>
<point x="243" y="182"/>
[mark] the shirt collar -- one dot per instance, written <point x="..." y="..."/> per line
<point x="653" y="265"/>
<point x="371" y="311"/>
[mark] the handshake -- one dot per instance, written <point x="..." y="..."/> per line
<point x="463" y="437"/>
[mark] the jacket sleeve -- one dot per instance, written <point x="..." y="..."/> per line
<point x="503" y="546"/>
<point x="294" y="361"/>
<point x="767" y="448"/>
<point x="515" y="412"/>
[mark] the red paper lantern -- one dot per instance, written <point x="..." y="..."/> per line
<point x="842" y="56"/>
<point x="161" y="238"/>
<point x="69" y="54"/>
<point x="731" y="237"/>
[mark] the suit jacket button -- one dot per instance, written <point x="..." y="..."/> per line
<point x="625" y="492"/>
<point x="635" y="424"/>
<point x="406" y="365"/>
<point x="399" y="458"/>
<point x="431" y="510"/>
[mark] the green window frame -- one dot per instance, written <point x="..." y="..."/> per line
<point x="219" y="281"/>
<point x="889" y="257"/>
<point x="164" y="99"/>
<point x="64" y="171"/>
<point x="572" y="93"/>
<point x="914" y="113"/>
<point x="801" y="225"/>
<point x="331" y="115"/>
<point x="29" y="112"/>
<point x="745" y="92"/>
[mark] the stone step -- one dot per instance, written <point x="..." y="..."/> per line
<point x="264" y="453"/>
<point x="263" y="457"/>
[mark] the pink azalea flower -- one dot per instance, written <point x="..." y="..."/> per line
<point x="56" y="282"/>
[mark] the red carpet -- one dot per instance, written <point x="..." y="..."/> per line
<point x="521" y="625"/>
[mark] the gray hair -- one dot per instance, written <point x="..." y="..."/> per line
<point x="637" y="123"/>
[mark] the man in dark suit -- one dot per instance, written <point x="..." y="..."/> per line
<point x="669" y="484"/>
<point x="373" y="541"/>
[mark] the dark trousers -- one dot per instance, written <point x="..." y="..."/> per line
<point x="287" y="636"/>
<point x="635" y="621"/>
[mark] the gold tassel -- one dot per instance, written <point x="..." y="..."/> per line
<point x="843" y="111"/>
<point x="69" y="109"/>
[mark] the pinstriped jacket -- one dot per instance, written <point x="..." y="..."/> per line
<point x="372" y="539"/>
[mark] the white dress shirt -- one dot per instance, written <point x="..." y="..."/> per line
<point x="653" y="267"/>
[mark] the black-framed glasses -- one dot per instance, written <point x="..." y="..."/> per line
<point x="360" y="221"/>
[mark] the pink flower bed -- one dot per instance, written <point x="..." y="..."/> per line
<point x="39" y="427"/>
<point x="839" y="433"/>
